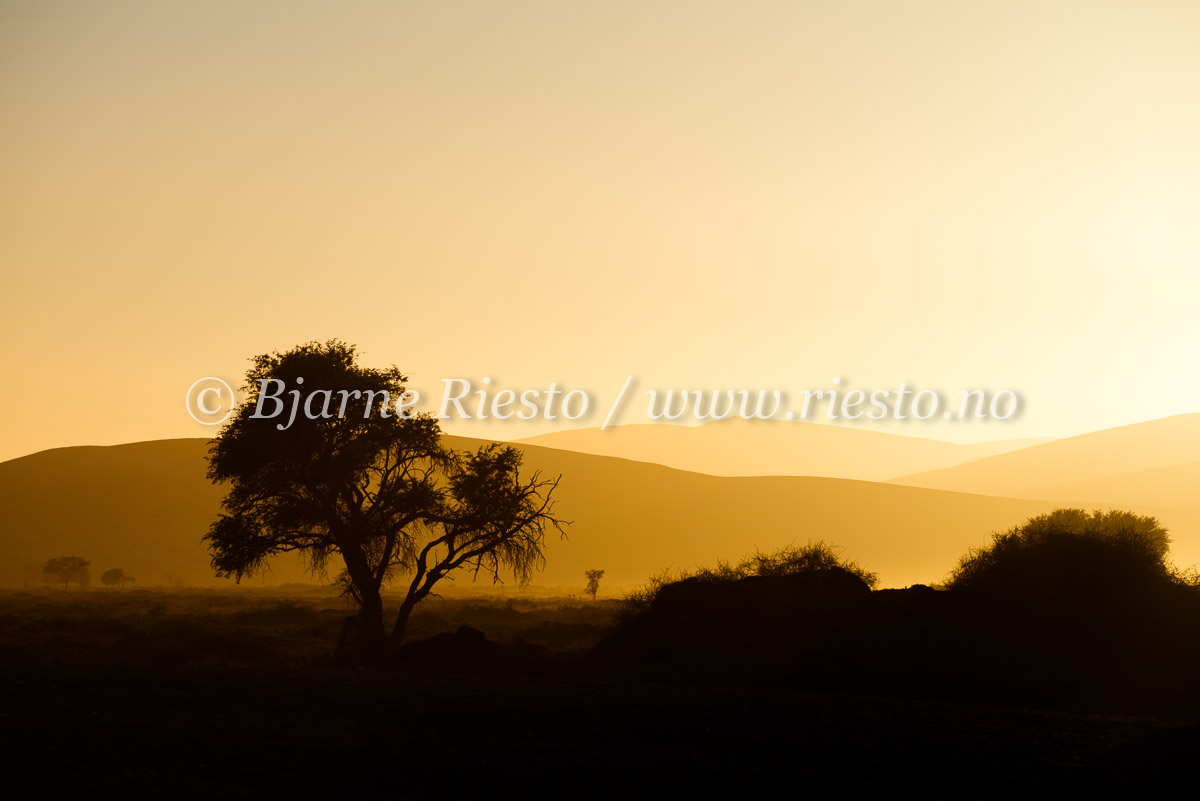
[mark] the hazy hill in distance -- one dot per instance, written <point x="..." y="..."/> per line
<point x="1153" y="461"/>
<point x="1176" y="485"/>
<point x="738" y="447"/>
<point x="143" y="507"/>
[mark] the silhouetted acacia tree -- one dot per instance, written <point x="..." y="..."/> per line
<point x="374" y="489"/>
<point x="593" y="582"/>
<point x="67" y="569"/>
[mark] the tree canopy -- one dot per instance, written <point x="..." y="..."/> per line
<point x="67" y="569"/>
<point x="373" y="489"/>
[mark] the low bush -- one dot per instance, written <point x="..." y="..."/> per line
<point x="791" y="560"/>
<point x="1068" y="550"/>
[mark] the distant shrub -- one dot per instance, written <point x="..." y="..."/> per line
<point x="791" y="560"/>
<point x="116" y="577"/>
<point x="1068" y="549"/>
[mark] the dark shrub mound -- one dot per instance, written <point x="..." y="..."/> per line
<point x="1068" y="551"/>
<point x="718" y="606"/>
<point x="1072" y="605"/>
<point x="1070" y="610"/>
<point x="758" y="617"/>
<point x="1103" y="573"/>
<point x="468" y="650"/>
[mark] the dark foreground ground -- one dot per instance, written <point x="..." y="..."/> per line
<point x="165" y="695"/>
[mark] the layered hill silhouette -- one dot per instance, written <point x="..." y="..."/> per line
<point x="738" y="447"/>
<point x="144" y="507"/>
<point x="1176" y="485"/>
<point x="1154" y="462"/>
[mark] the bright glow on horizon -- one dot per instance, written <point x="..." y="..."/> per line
<point x="943" y="194"/>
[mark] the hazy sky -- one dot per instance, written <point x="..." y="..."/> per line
<point x="703" y="195"/>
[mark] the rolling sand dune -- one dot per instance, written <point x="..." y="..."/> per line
<point x="738" y="447"/>
<point x="144" y="507"/>
<point x="1086" y="464"/>
<point x="1177" y="485"/>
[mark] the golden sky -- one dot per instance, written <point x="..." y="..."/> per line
<point x="703" y="195"/>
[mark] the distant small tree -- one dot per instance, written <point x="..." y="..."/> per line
<point x="67" y="569"/>
<point x="116" y="578"/>
<point x="593" y="582"/>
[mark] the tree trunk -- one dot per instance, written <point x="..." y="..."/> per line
<point x="363" y="640"/>
<point x="398" y="630"/>
<point x="372" y="622"/>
